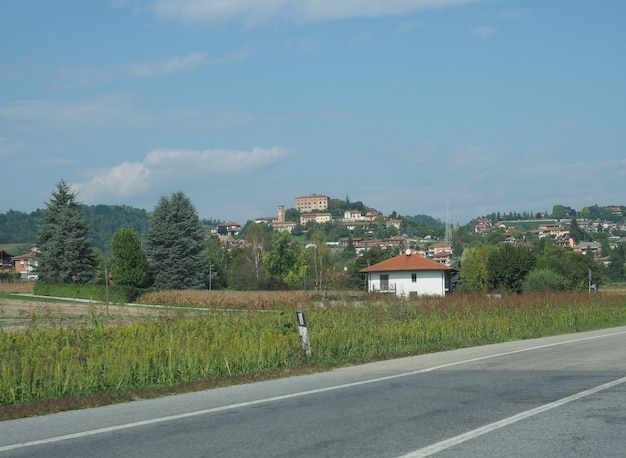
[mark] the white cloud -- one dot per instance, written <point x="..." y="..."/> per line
<point x="212" y="161"/>
<point x="407" y="26"/>
<point x="118" y="110"/>
<point x="253" y="12"/>
<point x="10" y="147"/>
<point x="475" y="157"/>
<point x="125" y="180"/>
<point x="484" y="31"/>
<point x="514" y="13"/>
<point x="168" y="66"/>
<point x="90" y="76"/>
<point x="519" y="184"/>
<point x="478" y="180"/>
<point x="174" y="167"/>
<point x="113" y="109"/>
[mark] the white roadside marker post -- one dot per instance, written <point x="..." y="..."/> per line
<point x="304" y="335"/>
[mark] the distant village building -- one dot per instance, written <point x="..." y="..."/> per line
<point x="483" y="226"/>
<point x="393" y="223"/>
<point x="584" y="247"/>
<point x="440" y="252"/>
<point x="280" y="224"/>
<point x="26" y="265"/>
<point x="312" y="202"/>
<point x="362" y="245"/>
<point x="5" y="261"/>
<point x="230" y="229"/>
<point x="553" y="230"/>
<point x="372" y="215"/>
<point x="353" y="215"/>
<point x="320" y="218"/>
<point x="351" y="225"/>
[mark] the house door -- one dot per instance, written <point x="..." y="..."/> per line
<point x="384" y="282"/>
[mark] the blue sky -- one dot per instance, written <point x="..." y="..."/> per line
<point x="405" y="105"/>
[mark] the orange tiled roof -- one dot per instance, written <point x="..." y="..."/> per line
<point x="24" y="256"/>
<point x="406" y="262"/>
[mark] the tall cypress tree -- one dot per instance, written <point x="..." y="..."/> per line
<point x="175" y="243"/>
<point x="129" y="262"/>
<point x="65" y="252"/>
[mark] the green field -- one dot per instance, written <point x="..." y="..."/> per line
<point x="65" y="363"/>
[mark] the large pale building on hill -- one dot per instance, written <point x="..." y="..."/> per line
<point x="312" y="202"/>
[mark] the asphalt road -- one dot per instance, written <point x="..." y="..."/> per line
<point x="562" y="396"/>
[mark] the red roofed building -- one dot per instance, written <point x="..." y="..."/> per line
<point x="26" y="265"/>
<point x="409" y="274"/>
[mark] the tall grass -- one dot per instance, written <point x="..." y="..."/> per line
<point x="42" y="364"/>
<point x="233" y="300"/>
<point x="342" y="335"/>
<point x="52" y="363"/>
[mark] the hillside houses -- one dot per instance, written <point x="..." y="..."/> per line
<point x="559" y="232"/>
<point x="368" y="227"/>
<point x="315" y="208"/>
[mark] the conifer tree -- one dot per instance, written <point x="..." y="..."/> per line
<point x="175" y="244"/>
<point x="65" y="252"/>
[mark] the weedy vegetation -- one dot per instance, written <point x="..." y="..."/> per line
<point x="240" y="334"/>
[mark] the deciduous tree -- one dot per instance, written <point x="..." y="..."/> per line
<point x="257" y="243"/>
<point x="284" y="259"/>
<point x="320" y="258"/>
<point x="573" y="267"/>
<point x="508" y="266"/>
<point x="576" y="232"/>
<point x="474" y="270"/>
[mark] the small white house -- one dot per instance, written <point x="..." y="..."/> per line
<point x="409" y="274"/>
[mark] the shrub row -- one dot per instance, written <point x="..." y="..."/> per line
<point x="114" y="293"/>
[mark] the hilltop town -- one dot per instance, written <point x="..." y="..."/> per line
<point x="313" y="209"/>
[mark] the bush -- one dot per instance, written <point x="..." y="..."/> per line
<point x="543" y="280"/>
<point x="116" y="293"/>
<point x="9" y="276"/>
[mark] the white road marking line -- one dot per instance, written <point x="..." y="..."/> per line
<point x="240" y="405"/>
<point x="453" y="441"/>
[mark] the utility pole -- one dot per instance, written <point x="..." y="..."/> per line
<point x="447" y="236"/>
<point x="106" y="282"/>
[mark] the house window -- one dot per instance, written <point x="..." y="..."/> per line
<point x="384" y="282"/>
<point x="414" y="278"/>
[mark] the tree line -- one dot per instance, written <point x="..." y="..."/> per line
<point x="519" y="269"/>
<point x="174" y="252"/>
<point x="22" y="229"/>
<point x="172" y="249"/>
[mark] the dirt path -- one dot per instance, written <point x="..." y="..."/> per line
<point x="16" y="314"/>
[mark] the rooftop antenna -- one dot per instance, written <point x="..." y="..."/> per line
<point x="447" y="236"/>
